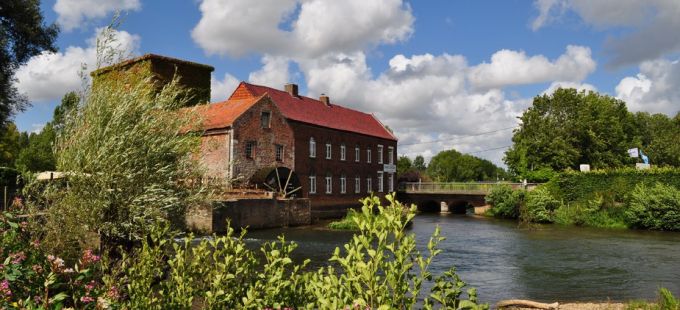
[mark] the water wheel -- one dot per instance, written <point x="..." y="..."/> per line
<point x="281" y="180"/>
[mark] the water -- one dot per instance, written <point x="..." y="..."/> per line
<point x="550" y="263"/>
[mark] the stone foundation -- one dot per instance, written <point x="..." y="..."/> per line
<point x="249" y="213"/>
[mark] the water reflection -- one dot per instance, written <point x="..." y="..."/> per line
<point x="550" y="263"/>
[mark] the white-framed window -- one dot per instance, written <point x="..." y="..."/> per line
<point x="380" y="154"/>
<point x="368" y="156"/>
<point x="329" y="184"/>
<point x="390" y="155"/>
<point x="312" y="184"/>
<point x="390" y="184"/>
<point x="343" y="184"/>
<point x="312" y="147"/>
<point x="328" y="151"/>
<point x="342" y="152"/>
<point x="380" y="182"/>
<point x="357" y="153"/>
<point x="357" y="184"/>
<point x="279" y="152"/>
<point x="369" y="185"/>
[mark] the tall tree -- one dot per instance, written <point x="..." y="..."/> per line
<point x="23" y="34"/>
<point x="10" y="145"/>
<point x="451" y="165"/>
<point x="658" y="137"/>
<point x="419" y="163"/>
<point x="569" y="128"/>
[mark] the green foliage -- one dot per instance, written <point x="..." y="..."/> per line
<point x="419" y="163"/>
<point x="23" y="35"/>
<point x="568" y="128"/>
<point x="346" y="223"/>
<point x="539" y="206"/>
<point x="31" y="279"/>
<point x="505" y="202"/>
<point x="617" y="184"/>
<point x="592" y="213"/>
<point x="654" y="207"/>
<point x="658" y="135"/>
<point x="403" y="164"/>
<point x="665" y="301"/>
<point x="541" y="175"/>
<point x="10" y="144"/>
<point x="451" y="165"/>
<point x="38" y="155"/>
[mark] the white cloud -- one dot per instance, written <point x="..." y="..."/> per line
<point x="49" y="75"/>
<point x="654" y="89"/>
<point x="655" y="25"/>
<point x="37" y="128"/>
<point x="73" y="13"/>
<point x="297" y="28"/>
<point x="561" y="84"/>
<point x="514" y="67"/>
<point x="220" y="90"/>
<point x="274" y="72"/>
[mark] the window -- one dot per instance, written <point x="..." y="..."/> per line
<point x="329" y="184"/>
<point x="369" y="185"/>
<point x="328" y="151"/>
<point x="312" y="148"/>
<point x="343" y="184"/>
<point x="390" y="185"/>
<point x="380" y="182"/>
<point x="279" y="152"/>
<point x="250" y="149"/>
<point x="368" y="156"/>
<point x="312" y="184"/>
<point x="265" y="119"/>
<point x="342" y="152"/>
<point x="380" y="154"/>
<point x="357" y="153"/>
<point x="357" y="184"/>
<point x="390" y="155"/>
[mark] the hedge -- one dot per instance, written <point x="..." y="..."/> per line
<point x="616" y="184"/>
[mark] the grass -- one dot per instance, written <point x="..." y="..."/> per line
<point x="580" y="214"/>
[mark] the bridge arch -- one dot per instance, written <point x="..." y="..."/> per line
<point x="459" y="206"/>
<point x="429" y="206"/>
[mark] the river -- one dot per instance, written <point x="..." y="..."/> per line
<point x="546" y="263"/>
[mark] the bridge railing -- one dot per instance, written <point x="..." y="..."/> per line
<point x="453" y="187"/>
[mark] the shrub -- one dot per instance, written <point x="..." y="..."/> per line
<point x="346" y="223"/>
<point x="595" y="213"/>
<point x="504" y="201"/>
<point x="654" y="207"/>
<point x="539" y="206"/>
<point x="541" y="175"/>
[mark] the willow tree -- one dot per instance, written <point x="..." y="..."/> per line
<point x="127" y="154"/>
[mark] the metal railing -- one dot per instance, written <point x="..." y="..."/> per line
<point x="455" y="187"/>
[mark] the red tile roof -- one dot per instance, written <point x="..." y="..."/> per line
<point x="222" y="114"/>
<point x="313" y="111"/>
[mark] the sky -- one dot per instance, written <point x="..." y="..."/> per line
<point x="442" y="74"/>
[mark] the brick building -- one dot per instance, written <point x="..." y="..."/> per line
<point x="337" y="155"/>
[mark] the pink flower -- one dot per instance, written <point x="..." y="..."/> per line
<point x="5" y="291"/>
<point x="90" y="286"/>
<point x="36" y="243"/>
<point x="89" y="258"/>
<point x="18" y="257"/>
<point x="86" y="299"/>
<point x="113" y="293"/>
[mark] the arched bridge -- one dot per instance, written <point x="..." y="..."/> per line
<point x="449" y="197"/>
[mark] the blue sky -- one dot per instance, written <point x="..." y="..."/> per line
<point x="432" y="70"/>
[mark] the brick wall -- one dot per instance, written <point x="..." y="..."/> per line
<point x="247" y="128"/>
<point x="214" y="154"/>
<point x="320" y="166"/>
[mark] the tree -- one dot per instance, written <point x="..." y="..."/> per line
<point x="658" y="137"/>
<point x="38" y="155"/>
<point x="419" y="163"/>
<point x="10" y="145"/>
<point x="403" y="164"/>
<point x="68" y="104"/>
<point x="23" y="35"/>
<point x="451" y="165"/>
<point x="569" y="128"/>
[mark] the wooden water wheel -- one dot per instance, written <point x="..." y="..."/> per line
<point x="281" y="180"/>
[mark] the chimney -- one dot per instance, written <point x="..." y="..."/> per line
<point x="325" y="99"/>
<point x="292" y="89"/>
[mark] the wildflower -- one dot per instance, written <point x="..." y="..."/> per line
<point x="37" y="268"/>
<point x="18" y="257"/>
<point x="36" y="243"/>
<point x="5" y="291"/>
<point x="89" y="258"/>
<point x="113" y="293"/>
<point x="86" y="299"/>
<point x="90" y="286"/>
<point x="69" y="270"/>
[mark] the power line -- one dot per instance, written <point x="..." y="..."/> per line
<point x="493" y="149"/>
<point x="460" y="137"/>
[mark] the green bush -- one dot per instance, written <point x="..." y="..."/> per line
<point x="654" y="207"/>
<point x="504" y="201"/>
<point x="593" y="213"/>
<point x="346" y="223"/>
<point x="539" y="206"/>
<point x="541" y="175"/>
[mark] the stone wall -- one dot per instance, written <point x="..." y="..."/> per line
<point x="249" y="213"/>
